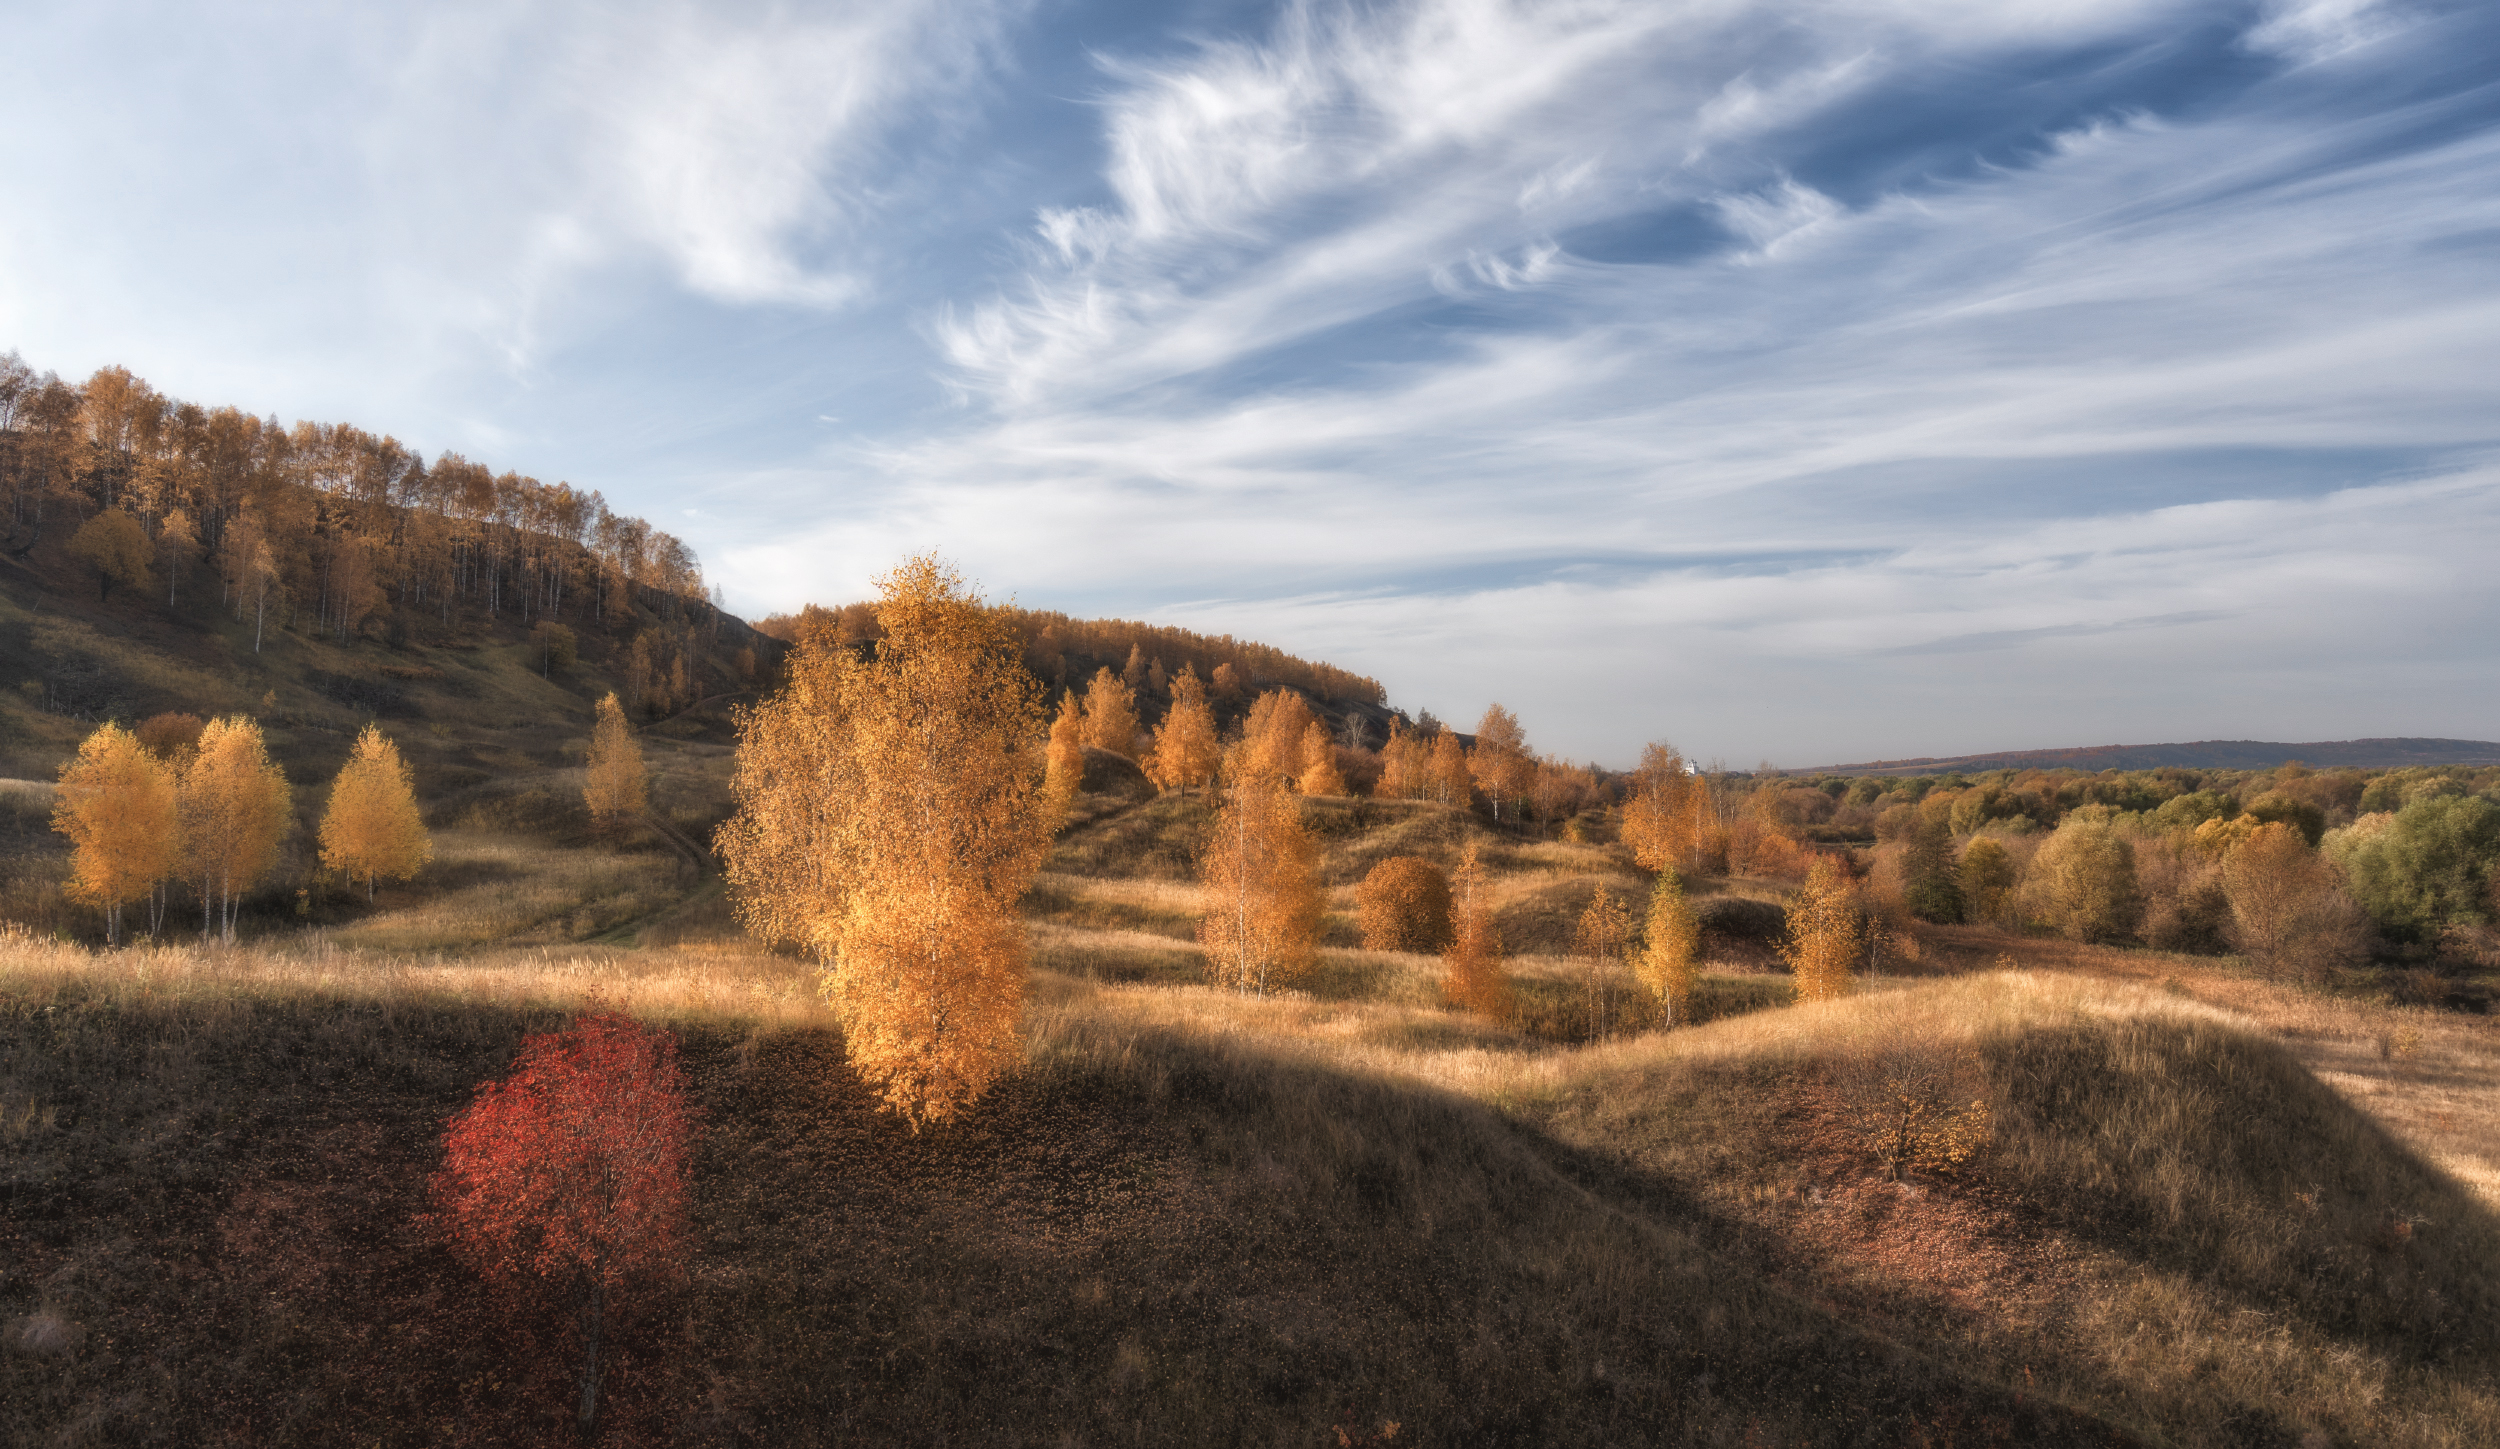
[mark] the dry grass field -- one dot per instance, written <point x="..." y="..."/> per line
<point x="2210" y="1211"/>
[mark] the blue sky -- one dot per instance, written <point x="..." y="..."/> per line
<point x="1802" y="381"/>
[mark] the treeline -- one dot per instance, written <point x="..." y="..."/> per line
<point x="1065" y="652"/>
<point x="2304" y="871"/>
<point x="324" y="526"/>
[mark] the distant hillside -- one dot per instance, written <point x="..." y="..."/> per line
<point x="2374" y="754"/>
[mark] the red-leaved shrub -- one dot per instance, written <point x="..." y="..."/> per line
<point x="573" y="1170"/>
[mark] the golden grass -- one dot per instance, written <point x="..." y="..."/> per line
<point x="485" y="888"/>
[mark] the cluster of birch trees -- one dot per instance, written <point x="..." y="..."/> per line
<point x="200" y="804"/>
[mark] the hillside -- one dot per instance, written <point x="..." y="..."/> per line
<point x="2375" y="754"/>
<point x="1200" y="1217"/>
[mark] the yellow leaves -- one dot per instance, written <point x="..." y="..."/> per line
<point x="2218" y="838"/>
<point x="616" y="786"/>
<point x="1824" y="934"/>
<point x="1111" y="714"/>
<point x="1186" y="752"/>
<point x="1319" y="774"/>
<point x="1668" y="818"/>
<point x="1063" y="760"/>
<point x="117" y="806"/>
<point x="1671" y="949"/>
<point x="235" y="808"/>
<point x="372" y="827"/>
<point x="889" y="815"/>
<point x="1260" y="869"/>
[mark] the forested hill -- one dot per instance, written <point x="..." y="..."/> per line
<point x="159" y="557"/>
<point x="2372" y="754"/>
<point x="322" y="525"/>
<point x="1065" y="653"/>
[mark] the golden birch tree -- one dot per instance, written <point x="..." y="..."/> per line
<point x="235" y="808"/>
<point x="1657" y="819"/>
<point x="116" y="805"/>
<point x="890" y="813"/>
<point x="1670" y="949"/>
<point x="372" y="827"/>
<point x="1450" y="781"/>
<point x="1473" y="978"/>
<point x="1824" y="934"/>
<point x="1111" y="714"/>
<point x="1186" y="751"/>
<point x="1260" y="875"/>
<point x="1274" y="732"/>
<point x="1319" y="774"/>
<point x="1405" y="765"/>
<point x="617" y="788"/>
<point x="1500" y="763"/>
<point x="1063" y="759"/>
<point x="1604" y="928"/>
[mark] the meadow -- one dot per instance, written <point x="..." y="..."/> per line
<point x="2210" y="1210"/>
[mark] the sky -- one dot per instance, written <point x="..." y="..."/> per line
<point x="1816" y="381"/>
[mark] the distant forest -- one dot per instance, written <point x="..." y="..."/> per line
<point x="321" y="525"/>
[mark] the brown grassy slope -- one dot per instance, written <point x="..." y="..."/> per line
<point x="1148" y="1237"/>
<point x="1204" y="1218"/>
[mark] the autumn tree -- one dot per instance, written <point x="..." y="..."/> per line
<point x="574" y="1171"/>
<point x="1604" y="928"/>
<point x="1500" y="763"/>
<point x="1450" y="779"/>
<point x="890" y="814"/>
<point x="1670" y="948"/>
<point x="235" y="809"/>
<point x="173" y="737"/>
<point x="1405" y="764"/>
<point x="1473" y="978"/>
<point x="1932" y="886"/>
<point x="1404" y="905"/>
<point x="2083" y="882"/>
<point x="1319" y="775"/>
<point x="1825" y="930"/>
<point x="1987" y="879"/>
<point x="1111" y="714"/>
<point x="616" y="787"/>
<point x="372" y="826"/>
<point x="117" y="548"/>
<point x="116" y="805"/>
<point x="1654" y="817"/>
<point x="1186" y="751"/>
<point x="1259" y="872"/>
<point x="1278" y="723"/>
<point x="1063" y="759"/>
<point x="2289" y="913"/>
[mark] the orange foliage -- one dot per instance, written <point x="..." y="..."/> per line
<point x="1319" y="774"/>
<point x="1825" y="934"/>
<point x="616" y="787"/>
<point x="1260" y="870"/>
<point x="116" y="805"/>
<point x="1404" y="905"/>
<point x="1473" y="978"/>
<point x="1111" y="714"/>
<point x="891" y="812"/>
<point x="1186" y="751"/>
<point x="235" y="809"/>
<point x="1500" y="763"/>
<point x="1063" y="759"/>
